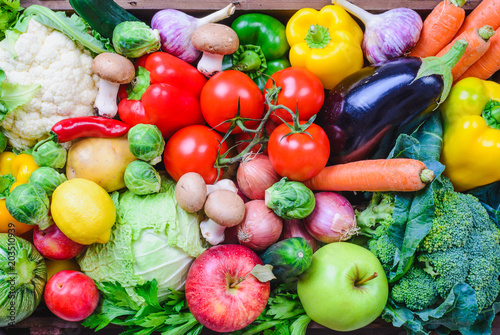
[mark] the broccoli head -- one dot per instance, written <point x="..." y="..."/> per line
<point x="462" y="246"/>
<point x="416" y="289"/>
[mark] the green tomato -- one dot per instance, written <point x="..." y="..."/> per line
<point x="345" y="288"/>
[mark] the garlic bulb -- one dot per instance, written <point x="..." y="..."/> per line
<point x="387" y="35"/>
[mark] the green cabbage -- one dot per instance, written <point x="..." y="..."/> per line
<point x="153" y="238"/>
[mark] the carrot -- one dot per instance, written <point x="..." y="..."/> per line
<point x="376" y="175"/>
<point x="489" y="63"/>
<point x="486" y="13"/>
<point x="439" y="28"/>
<point x="479" y="42"/>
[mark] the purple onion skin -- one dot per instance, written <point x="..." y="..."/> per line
<point x="333" y="218"/>
<point x="175" y="29"/>
<point x="391" y="34"/>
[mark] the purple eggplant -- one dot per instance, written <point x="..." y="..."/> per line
<point x="364" y="113"/>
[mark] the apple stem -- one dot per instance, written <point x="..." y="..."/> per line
<point x="362" y="281"/>
<point x="240" y="279"/>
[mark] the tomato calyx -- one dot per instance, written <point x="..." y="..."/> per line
<point x="238" y="121"/>
<point x="260" y="137"/>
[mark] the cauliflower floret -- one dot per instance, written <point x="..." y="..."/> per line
<point x="63" y="68"/>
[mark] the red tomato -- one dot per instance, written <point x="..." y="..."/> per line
<point x="168" y="69"/>
<point x="299" y="87"/>
<point x="219" y="100"/>
<point x="298" y="156"/>
<point x="141" y="61"/>
<point x="193" y="149"/>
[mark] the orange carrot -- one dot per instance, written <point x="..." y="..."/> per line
<point x="439" y="28"/>
<point x="486" y="13"/>
<point x="375" y="175"/>
<point x="479" y="42"/>
<point x="489" y="63"/>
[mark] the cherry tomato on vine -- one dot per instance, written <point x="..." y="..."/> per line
<point x="194" y="149"/>
<point x="219" y="100"/>
<point x="298" y="156"/>
<point x="299" y="87"/>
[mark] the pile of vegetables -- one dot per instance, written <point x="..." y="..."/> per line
<point x="241" y="148"/>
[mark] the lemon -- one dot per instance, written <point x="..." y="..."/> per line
<point x="83" y="211"/>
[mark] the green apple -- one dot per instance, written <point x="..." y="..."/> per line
<point x="345" y="288"/>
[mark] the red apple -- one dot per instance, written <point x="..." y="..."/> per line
<point x="53" y="244"/>
<point x="71" y="295"/>
<point x="220" y="291"/>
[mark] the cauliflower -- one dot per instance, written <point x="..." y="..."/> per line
<point x="62" y="67"/>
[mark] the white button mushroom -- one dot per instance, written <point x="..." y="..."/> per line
<point x="114" y="70"/>
<point x="215" y="40"/>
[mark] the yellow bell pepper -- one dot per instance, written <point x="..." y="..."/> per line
<point x="22" y="167"/>
<point x="6" y="158"/>
<point x="326" y="42"/>
<point x="471" y="138"/>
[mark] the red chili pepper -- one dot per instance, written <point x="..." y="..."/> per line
<point x="88" y="126"/>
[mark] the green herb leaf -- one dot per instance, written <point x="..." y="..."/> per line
<point x="117" y="308"/>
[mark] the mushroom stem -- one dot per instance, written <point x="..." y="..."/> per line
<point x="210" y="64"/>
<point x="212" y="231"/>
<point x="105" y="102"/>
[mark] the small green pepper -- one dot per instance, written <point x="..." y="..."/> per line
<point x="263" y="47"/>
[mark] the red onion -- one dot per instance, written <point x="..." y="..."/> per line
<point x="255" y="175"/>
<point x="260" y="227"/>
<point x="296" y="228"/>
<point x="333" y="218"/>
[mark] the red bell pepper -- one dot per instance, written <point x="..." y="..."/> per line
<point x="172" y="99"/>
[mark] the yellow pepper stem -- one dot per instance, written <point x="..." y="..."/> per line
<point x="317" y="37"/>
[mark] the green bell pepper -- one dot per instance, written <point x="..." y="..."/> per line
<point x="263" y="47"/>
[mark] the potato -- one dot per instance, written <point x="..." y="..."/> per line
<point x="102" y="160"/>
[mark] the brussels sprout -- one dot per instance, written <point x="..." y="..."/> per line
<point x="141" y="178"/>
<point x="49" y="153"/>
<point x="48" y="178"/>
<point x="135" y="38"/>
<point x="290" y="199"/>
<point x="146" y="142"/>
<point x="3" y="142"/>
<point x="28" y="203"/>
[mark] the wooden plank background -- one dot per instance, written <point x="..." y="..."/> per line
<point x="280" y="7"/>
